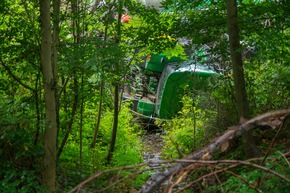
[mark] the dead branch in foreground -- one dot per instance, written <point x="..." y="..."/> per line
<point x="273" y="119"/>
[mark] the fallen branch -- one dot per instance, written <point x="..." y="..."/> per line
<point x="98" y="174"/>
<point x="182" y="166"/>
<point x="272" y="119"/>
<point x="247" y="163"/>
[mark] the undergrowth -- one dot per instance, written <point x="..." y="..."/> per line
<point x="128" y="150"/>
<point x="189" y="131"/>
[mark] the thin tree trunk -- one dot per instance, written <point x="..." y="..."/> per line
<point x="76" y="35"/>
<point x="36" y="95"/>
<point x="49" y="163"/>
<point x="99" y="116"/>
<point x="100" y="102"/>
<point x="115" y="125"/>
<point x="81" y="121"/>
<point x="70" y="125"/>
<point x="116" y="93"/>
<point x="238" y="74"/>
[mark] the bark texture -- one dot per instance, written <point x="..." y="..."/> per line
<point x="236" y="57"/>
<point x="55" y="44"/>
<point x="49" y="164"/>
<point x="242" y="103"/>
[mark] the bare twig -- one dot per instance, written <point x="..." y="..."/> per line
<point x="272" y="143"/>
<point x="207" y="175"/>
<point x="237" y="162"/>
<point x="181" y="167"/>
<point x="219" y="143"/>
<point x="98" y="174"/>
<point x="283" y="155"/>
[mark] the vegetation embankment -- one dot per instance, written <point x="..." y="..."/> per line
<point x="63" y="121"/>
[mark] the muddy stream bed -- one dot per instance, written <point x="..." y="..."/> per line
<point x="153" y="144"/>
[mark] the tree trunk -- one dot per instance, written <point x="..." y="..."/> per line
<point x="116" y="95"/>
<point x="55" y="43"/>
<point x="49" y="164"/>
<point x="81" y="119"/>
<point x="99" y="116"/>
<point x="71" y="121"/>
<point x="76" y="36"/>
<point x="36" y="95"/>
<point x="115" y="125"/>
<point x="236" y="57"/>
<point x="96" y="132"/>
<point x="238" y="74"/>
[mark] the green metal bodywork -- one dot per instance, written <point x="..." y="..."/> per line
<point x="146" y="107"/>
<point x="175" y="80"/>
<point x="176" y="76"/>
<point x="156" y="63"/>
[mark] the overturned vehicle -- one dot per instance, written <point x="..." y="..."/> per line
<point x="163" y="85"/>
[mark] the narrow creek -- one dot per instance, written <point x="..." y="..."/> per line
<point x="153" y="144"/>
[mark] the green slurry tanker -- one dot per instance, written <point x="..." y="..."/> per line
<point x="164" y="85"/>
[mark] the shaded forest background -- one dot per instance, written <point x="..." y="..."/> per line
<point x="62" y="119"/>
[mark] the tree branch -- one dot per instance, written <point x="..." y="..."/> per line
<point x="201" y="157"/>
<point x="15" y="77"/>
<point x="219" y="143"/>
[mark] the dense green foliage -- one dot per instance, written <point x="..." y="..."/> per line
<point x="250" y="180"/>
<point x="128" y="148"/>
<point x="191" y="129"/>
<point x="98" y="52"/>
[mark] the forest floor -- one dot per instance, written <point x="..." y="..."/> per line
<point x="153" y="145"/>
